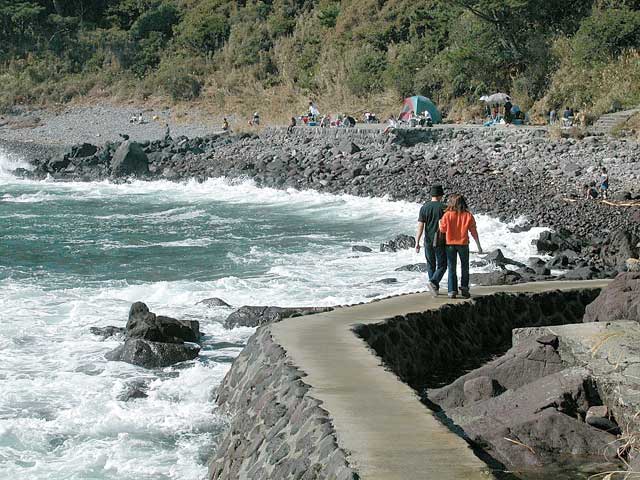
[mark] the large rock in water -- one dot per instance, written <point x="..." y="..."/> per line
<point x="154" y="341"/>
<point x="129" y="160"/>
<point x="619" y="301"/>
<point x="147" y="325"/>
<point x="250" y="316"/>
<point x="401" y="242"/>
<point x="153" y="354"/>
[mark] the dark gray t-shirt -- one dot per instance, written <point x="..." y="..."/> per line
<point x="430" y="215"/>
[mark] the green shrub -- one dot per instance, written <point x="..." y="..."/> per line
<point x="605" y="34"/>
<point x="328" y="15"/>
<point x="202" y="29"/>
<point x="159" y="20"/>
<point x="366" y="70"/>
<point x="177" y="81"/>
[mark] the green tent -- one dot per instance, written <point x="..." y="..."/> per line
<point x="418" y="104"/>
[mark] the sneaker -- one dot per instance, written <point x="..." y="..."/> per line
<point x="465" y="293"/>
<point x="452" y="294"/>
<point x="433" y="289"/>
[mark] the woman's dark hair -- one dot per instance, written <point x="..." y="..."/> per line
<point x="457" y="203"/>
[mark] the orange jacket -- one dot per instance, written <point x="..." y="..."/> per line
<point x="457" y="226"/>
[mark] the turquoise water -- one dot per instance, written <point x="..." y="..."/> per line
<point x="76" y="255"/>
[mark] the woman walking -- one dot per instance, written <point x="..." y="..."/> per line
<point x="456" y="223"/>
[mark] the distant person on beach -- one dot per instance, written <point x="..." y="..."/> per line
<point x="391" y="124"/>
<point x="434" y="249"/>
<point x="313" y="111"/>
<point x="604" y="182"/>
<point x="167" y="133"/>
<point x="589" y="191"/>
<point x="292" y="124"/>
<point x="225" y="125"/>
<point x="553" y="116"/>
<point x="256" y="118"/>
<point x="457" y="223"/>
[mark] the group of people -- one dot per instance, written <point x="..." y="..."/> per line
<point x="594" y="189"/>
<point x="569" y="117"/>
<point x="446" y="232"/>
<point x="137" y="119"/>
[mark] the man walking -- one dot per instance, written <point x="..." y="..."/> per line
<point x="435" y="253"/>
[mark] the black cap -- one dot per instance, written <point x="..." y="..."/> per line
<point x="437" y="191"/>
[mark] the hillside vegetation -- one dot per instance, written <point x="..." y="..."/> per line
<point x="272" y="55"/>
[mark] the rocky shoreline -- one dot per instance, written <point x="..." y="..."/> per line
<point x="507" y="173"/>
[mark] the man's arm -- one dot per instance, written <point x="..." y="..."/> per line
<point x="419" y="235"/>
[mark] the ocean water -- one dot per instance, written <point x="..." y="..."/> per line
<point x="76" y="255"/>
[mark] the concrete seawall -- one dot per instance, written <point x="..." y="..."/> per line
<point x="310" y="399"/>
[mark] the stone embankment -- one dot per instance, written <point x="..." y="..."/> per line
<point x="277" y="429"/>
<point x="308" y="400"/>
<point x="563" y="388"/>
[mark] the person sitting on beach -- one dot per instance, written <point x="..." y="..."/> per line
<point x="434" y="250"/>
<point x="292" y="124"/>
<point x="140" y="119"/>
<point x="392" y="124"/>
<point x="225" y="125"/>
<point x="256" y="119"/>
<point x="456" y="223"/>
<point x="326" y="121"/>
<point x="604" y="182"/>
<point x="133" y="119"/>
<point x="589" y="191"/>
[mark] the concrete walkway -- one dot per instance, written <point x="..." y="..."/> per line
<point x="380" y="422"/>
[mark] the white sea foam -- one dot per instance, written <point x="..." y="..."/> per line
<point x="60" y="415"/>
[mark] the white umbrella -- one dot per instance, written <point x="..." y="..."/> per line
<point x="497" y="99"/>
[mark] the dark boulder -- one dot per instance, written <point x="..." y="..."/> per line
<point x="414" y="267"/>
<point x="361" y="248"/>
<point x="348" y="147"/>
<point x="132" y="391"/>
<point x="129" y="160"/>
<point x="583" y="273"/>
<point x="497" y="258"/>
<point x="619" y="301"/>
<point x="108" y="331"/>
<point x="620" y="246"/>
<point x="81" y="151"/>
<point x="401" y="242"/>
<point x="550" y="242"/>
<point x="255" y="316"/>
<point x="529" y="360"/>
<point x="143" y="353"/>
<point x="387" y="281"/>
<point x="213" y="302"/>
<point x="499" y="277"/>
<point x="538" y="423"/>
<point x="147" y="325"/>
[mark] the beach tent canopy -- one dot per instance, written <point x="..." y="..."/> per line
<point x="419" y="104"/>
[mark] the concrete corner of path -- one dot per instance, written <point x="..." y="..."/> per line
<point x="379" y="420"/>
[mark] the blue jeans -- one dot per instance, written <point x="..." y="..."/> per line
<point x="436" y="262"/>
<point x="453" y="251"/>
